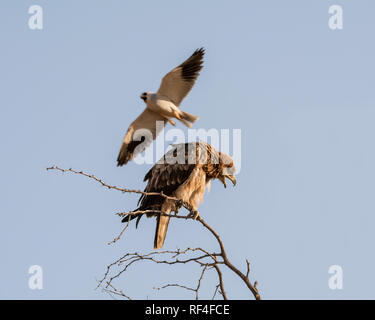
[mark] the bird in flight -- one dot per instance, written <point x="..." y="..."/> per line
<point x="161" y="107"/>
<point x="183" y="173"/>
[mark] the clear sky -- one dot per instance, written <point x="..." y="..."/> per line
<point x="302" y="94"/>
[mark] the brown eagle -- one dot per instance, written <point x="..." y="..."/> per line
<point x="182" y="173"/>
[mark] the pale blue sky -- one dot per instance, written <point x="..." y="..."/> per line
<point x="302" y="94"/>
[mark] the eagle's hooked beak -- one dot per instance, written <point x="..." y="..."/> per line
<point x="230" y="177"/>
<point x="233" y="179"/>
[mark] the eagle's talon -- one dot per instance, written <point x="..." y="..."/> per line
<point x="194" y="214"/>
<point x="177" y="116"/>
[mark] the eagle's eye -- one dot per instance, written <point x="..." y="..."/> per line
<point x="228" y="165"/>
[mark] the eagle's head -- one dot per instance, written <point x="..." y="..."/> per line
<point x="226" y="169"/>
<point x="218" y="165"/>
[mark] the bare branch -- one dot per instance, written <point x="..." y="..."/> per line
<point x="124" y="190"/>
<point x="248" y="268"/>
<point x="221" y="282"/>
<point x="120" y="234"/>
<point x="216" y="290"/>
<point x="116" y="291"/>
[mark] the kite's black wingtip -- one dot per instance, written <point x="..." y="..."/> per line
<point x="201" y="51"/>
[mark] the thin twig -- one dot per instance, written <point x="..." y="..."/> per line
<point x="120" y="234"/>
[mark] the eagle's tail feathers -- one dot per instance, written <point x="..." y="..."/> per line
<point x="161" y="231"/>
<point x="130" y="217"/>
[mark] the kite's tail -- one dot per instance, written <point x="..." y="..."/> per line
<point x="187" y="118"/>
<point x="161" y="230"/>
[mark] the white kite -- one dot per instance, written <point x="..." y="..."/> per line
<point x="162" y="107"/>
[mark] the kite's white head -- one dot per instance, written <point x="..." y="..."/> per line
<point x="145" y="96"/>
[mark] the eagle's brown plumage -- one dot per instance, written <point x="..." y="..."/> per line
<point x="183" y="172"/>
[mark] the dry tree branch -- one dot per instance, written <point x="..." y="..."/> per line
<point x="221" y="282"/>
<point x="199" y="256"/>
<point x="196" y="290"/>
<point x="120" y="234"/>
<point x="216" y="290"/>
<point x="124" y="190"/>
<point x="115" y="291"/>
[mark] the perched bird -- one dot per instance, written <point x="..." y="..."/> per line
<point x="162" y="106"/>
<point x="182" y="173"/>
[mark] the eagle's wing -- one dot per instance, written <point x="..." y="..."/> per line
<point x="170" y="173"/>
<point x="140" y="135"/>
<point x="177" y="83"/>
